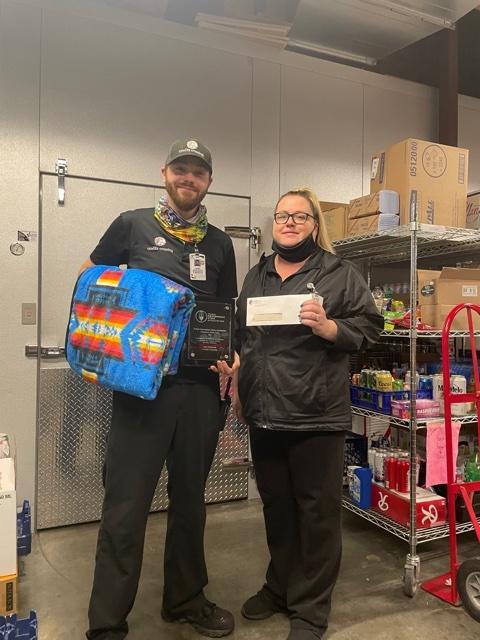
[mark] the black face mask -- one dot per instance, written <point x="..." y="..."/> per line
<point x="298" y="252"/>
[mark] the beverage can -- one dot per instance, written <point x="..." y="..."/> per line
<point x="397" y="384"/>
<point x="425" y="383"/>
<point x="364" y="377"/>
<point x="458" y="384"/>
<point x="437" y="390"/>
<point x="371" y="458"/>
<point x="384" y="381"/>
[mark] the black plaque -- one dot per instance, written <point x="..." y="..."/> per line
<point x="210" y="332"/>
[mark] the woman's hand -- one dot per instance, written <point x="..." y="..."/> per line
<point x="312" y="314"/>
<point x="226" y="369"/>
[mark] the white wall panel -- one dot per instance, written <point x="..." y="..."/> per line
<point x="265" y="150"/>
<point x="321" y="134"/>
<point x="391" y="116"/>
<point x="19" y="88"/>
<point x="469" y="137"/>
<point x="113" y="99"/>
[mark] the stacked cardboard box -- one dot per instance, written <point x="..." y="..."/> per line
<point x="335" y="216"/>
<point x="429" y="176"/>
<point x="440" y="291"/>
<point x="8" y="528"/>
<point x="372" y="213"/>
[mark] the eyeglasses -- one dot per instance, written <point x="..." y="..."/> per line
<point x="298" y="217"/>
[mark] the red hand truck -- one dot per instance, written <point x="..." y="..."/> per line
<point x="461" y="585"/>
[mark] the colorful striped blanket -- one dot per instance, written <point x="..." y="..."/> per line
<point x="127" y="328"/>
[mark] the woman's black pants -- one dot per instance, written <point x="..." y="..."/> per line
<point x="299" y="477"/>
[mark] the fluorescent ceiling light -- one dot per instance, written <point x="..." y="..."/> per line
<point x="331" y="53"/>
<point x="411" y="12"/>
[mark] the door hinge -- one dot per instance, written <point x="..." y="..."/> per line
<point x="254" y="234"/>
<point x="61" y="169"/>
<point x="32" y="351"/>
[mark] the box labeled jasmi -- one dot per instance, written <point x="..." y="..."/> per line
<point x="383" y="201"/>
<point x="428" y="176"/>
<point x="371" y="224"/>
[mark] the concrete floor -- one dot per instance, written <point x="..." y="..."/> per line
<point x="368" y="601"/>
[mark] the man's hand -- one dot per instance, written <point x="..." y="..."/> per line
<point x="237" y="408"/>
<point x="227" y="370"/>
<point x="312" y="314"/>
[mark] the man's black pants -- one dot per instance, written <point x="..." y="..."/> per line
<point x="181" y="427"/>
<point x="299" y="476"/>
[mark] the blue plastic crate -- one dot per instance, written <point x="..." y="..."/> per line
<point x="380" y="401"/>
<point x="356" y="451"/>
<point x="11" y="628"/>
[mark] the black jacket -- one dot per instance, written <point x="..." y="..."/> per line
<point x="290" y="378"/>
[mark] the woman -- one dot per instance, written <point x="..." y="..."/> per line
<point x="293" y="389"/>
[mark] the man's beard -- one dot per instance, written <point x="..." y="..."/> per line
<point x="184" y="203"/>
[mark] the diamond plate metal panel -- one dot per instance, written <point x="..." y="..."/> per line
<point x="73" y="427"/>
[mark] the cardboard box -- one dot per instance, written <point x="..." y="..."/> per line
<point x="433" y="177"/>
<point x="8" y="595"/>
<point x="430" y="508"/>
<point x="473" y="211"/>
<point x="328" y="206"/>
<point x="380" y="202"/>
<point x="450" y="286"/>
<point x="435" y="314"/>
<point x="335" y="220"/>
<point x="371" y="224"/>
<point x="8" y="533"/>
<point x="363" y="226"/>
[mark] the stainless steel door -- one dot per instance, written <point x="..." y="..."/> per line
<point x="74" y="416"/>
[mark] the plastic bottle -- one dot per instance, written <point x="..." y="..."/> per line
<point x="472" y="468"/>
<point x="361" y="490"/>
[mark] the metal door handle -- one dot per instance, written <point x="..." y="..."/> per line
<point x="32" y="351"/>
<point x="61" y="169"/>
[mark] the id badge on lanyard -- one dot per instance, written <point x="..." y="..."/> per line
<point x="198" y="266"/>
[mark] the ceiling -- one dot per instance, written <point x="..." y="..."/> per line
<point x="395" y="37"/>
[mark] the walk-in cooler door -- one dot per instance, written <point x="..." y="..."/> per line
<point x="74" y="415"/>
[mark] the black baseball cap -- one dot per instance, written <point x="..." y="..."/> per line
<point x="189" y="148"/>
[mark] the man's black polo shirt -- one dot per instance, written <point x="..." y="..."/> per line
<point x="136" y="239"/>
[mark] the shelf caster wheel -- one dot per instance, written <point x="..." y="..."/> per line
<point x="468" y="585"/>
<point x="410" y="580"/>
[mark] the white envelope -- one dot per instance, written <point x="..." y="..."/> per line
<point x="276" y="310"/>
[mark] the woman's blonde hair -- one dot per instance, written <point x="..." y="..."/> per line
<point x="323" y="240"/>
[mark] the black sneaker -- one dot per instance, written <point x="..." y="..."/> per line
<point x="306" y="634"/>
<point x="210" y="620"/>
<point x="261" y="606"/>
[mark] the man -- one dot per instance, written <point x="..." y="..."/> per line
<point x="180" y="426"/>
